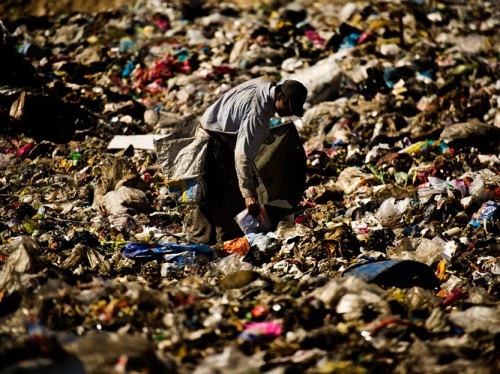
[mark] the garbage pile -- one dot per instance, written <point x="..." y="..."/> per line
<point x="390" y="264"/>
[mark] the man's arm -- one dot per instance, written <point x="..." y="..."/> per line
<point x="251" y="135"/>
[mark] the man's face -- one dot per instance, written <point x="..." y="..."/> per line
<point x="283" y="106"/>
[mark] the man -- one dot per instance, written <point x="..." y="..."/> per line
<point x="238" y="125"/>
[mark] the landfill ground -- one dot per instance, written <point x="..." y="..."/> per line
<point x="391" y="261"/>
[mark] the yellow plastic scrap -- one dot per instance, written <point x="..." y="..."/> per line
<point x="379" y="23"/>
<point x="441" y="270"/>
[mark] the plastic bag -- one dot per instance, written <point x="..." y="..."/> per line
<point x="473" y="133"/>
<point x="390" y="212"/>
<point x="322" y="79"/>
<point x="153" y="251"/>
<point x="181" y="156"/>
<point x="250" y="224"/>
<point x="237" y="245"/>
<point x="486" y="211"/>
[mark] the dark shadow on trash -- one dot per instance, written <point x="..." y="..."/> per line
<point x="39" y="354"/>
<point x="28" y="105"/>
<point x="394" y="273"/>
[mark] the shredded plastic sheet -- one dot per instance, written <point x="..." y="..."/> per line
<point x="154" y="251"/>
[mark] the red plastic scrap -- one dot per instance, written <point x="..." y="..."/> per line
<point x="25" y="150"/>
<point x="366" y="36"/>
<point x="430" y="171"/>
<point x="259" y="311"/>
<point x="238" y="245"/>
<point x="392" y="321"/>
<point x="181" y="299"/>
<point x="455" y="295"/>
<point x="314" y="37"/>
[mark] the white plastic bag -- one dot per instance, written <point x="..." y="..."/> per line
<point x="250" y="224"/>
<point x="389" y="214"/>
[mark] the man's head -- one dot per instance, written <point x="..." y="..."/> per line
<point x="290" y="98"/>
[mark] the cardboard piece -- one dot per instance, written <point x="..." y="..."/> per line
<point x="145" y="141"/>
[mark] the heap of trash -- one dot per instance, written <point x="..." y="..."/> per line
<point x="391" y="262"/>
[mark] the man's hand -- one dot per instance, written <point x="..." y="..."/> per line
<point x="253" y="205"/>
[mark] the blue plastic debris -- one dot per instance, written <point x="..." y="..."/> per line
<point x="128" y="69"/>
<point x="154" y="251"/>
<point x="349" y="41"/>
<point x="394" y="273"/>
<point x="483" y="214"/>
